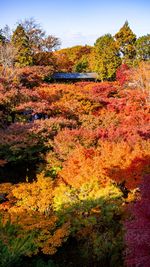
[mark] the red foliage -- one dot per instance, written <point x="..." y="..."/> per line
<point x="138" y="229"/>
<point x="122" y="74"/>
<point x="33" y="76"/>
<point x="96" y="115"/>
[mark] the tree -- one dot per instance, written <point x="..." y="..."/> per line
<point x="107" y="58"/>
<point x="122" y="74"/>
<point x="44" y="59"/>
<point x="2" y="37"/>
<point x="125" y="40"/>
<point x="140" y="77"/>
<point x="7" y="33"/>
<point x="143" y="47"/>
<point x="20" y="41"/>
<point x="7" y="55"/>
<point x="74" y="58"/>
<point x="38" y="39"/>
<point x="81" y="65"/>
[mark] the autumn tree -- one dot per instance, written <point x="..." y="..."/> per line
<point x="72" y="59"/>
<point x="38" y="39"/>
<point x="21" y="42"/>
<point x="125" y="39"/>
<point x="44" y="59"/>
<point x="143" y="47"/>
<point x="81" y="65"/>
<point x="107" y="58"/>
<point x="138" y="229"/>
<point x="140" y="76"/>
<point x="7" y="55"/>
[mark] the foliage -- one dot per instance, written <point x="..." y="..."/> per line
<point x="125" y="39"/>
<point x="33" y="76"/>
<point x="13" y="246"/>
<point x="7" y="56"/>
<point x="31" y="211"/>
<point x="20" y="41"/>
<point x="94" y="214"/>
<point x="117" y="161"/>
<point x="44" y="59"/>
<point x="107" y="57"/>
<point x="73" y="59"/>
<point x="138" y="229"/>
<point x="81" y="65"/>
<point x="143" y="47"/>
<point x="34" y="195"/>
<point x="38" y="39"/>
<point x="140" y="77"/>
<point x="122" y="74"/>
<point x="89" y="144"/>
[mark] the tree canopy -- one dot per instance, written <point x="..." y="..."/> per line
<point x="107" y="57"/>
<point x="21" y="42"/>
<point x="125" y="39"/>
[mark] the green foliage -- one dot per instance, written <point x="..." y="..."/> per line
<point x="20" y="41"/>
<point x="95" y="217"/>
<point x="107" y="57"/>
<point x="12" y="247"/>
<point x="41" y="263"/>
<point x="76" y="58"/>
<point x="143" y="47"/>
<point x="81" y="65"/>
<point x="125" y="39"/>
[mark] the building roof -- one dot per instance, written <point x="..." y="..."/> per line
<point x="75" y="75"/>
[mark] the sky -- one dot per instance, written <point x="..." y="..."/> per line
<point x="79" y="22"/>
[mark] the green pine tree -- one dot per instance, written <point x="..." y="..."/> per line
<point x="107" y="58"/>
<point x="125" y="40"/>
<point x="20" y="41"/>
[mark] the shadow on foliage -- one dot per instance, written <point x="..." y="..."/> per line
<point x="96" y="233"/>
<point x="130" y="177"/>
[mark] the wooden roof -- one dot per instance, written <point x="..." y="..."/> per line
<point x="74" y="76"/>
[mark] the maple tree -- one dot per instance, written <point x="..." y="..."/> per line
<point x="138" y="229"/>
<point x="29" y="208"/>
<point x="72" y="155"/>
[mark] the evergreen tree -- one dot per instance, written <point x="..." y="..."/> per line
<point x="20" y="41"/>
<point x="107" y="58"/>
<point x="143" y="47"/>
<point x="125" y="40"/>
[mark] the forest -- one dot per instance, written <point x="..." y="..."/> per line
<point x="74" y="156"/>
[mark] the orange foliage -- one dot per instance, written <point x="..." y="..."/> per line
<point x="32" y="212"/>
<point x="110" y="161"/>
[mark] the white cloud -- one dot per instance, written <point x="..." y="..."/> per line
<point x="72" y="39"/>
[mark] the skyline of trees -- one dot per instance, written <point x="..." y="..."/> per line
<point x="35" y="47"/>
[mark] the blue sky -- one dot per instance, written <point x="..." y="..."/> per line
<point x="79" y="21"/>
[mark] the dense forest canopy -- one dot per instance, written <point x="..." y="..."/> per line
<point x="74" y="157"/>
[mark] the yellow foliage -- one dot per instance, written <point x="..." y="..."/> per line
<point x="36" y="196"/>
